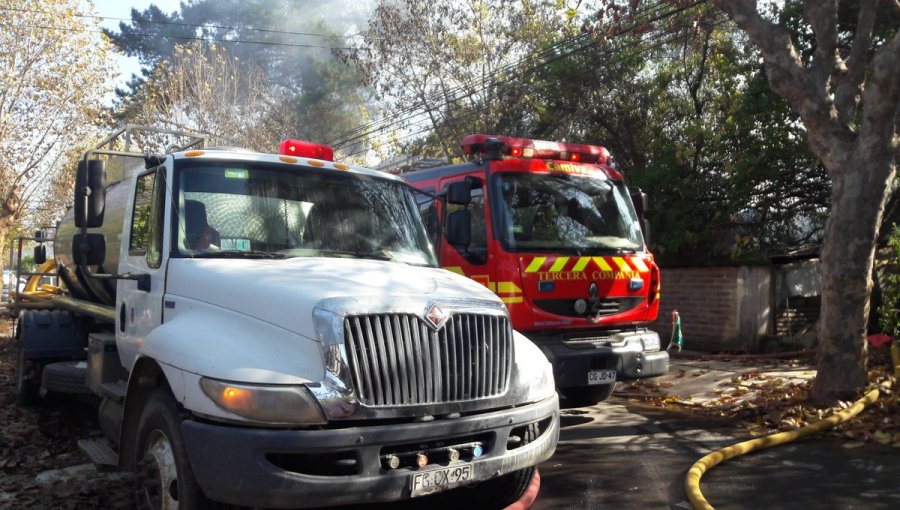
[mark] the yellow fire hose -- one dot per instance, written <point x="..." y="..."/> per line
<point x="33" y="288"/>
<point x="692" y="481"/>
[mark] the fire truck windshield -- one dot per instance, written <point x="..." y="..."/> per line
<point x="247" y="209"/>
<point x="562" y="212"/>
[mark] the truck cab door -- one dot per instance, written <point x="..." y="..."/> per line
<point x="139" y="310"/>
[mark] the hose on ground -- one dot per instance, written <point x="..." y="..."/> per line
<point x="692" y="481"/>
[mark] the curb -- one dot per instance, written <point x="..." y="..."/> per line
<point x="530" y="495"/>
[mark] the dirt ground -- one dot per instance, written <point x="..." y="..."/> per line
<point x="40" y="464"/>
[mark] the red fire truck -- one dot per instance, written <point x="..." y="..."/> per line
<point x="552" y="229"/>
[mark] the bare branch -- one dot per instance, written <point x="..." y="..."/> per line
<point x="790" y="79"/>
<point x="823" y="18"/>
<point x="848" y="80"/>
<point x="882" y="103"/>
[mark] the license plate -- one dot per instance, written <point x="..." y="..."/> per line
<point x="428" y="482"/>
<point x="601" y="376"/>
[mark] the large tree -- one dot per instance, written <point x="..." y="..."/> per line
<point x="449" y="68"/>
<point x="55" y="73"/>
<point x="289" y="42"/>
<point x="847" y="93"/>
<point x="204" y="89"/>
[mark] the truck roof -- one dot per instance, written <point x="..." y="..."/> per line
<point x="514" y="165"/>
<point x="244" y="155"/>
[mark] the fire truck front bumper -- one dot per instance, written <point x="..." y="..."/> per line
<point x="582" y="360"/>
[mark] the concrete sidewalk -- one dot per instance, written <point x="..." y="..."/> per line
<point x="693" y="378"/>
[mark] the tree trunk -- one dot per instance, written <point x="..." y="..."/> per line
<point x="849" y="107"/>
<point x="848" y="253"/>
<point x="4" y="250"/>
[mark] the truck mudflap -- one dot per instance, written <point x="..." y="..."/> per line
<point x="330" y="467"/>
<point x="584" y="361"/>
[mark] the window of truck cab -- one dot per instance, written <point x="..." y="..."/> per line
<point x="146" y="234"/>
<point x="564" y="212"/>
<point x="274" y="210"/>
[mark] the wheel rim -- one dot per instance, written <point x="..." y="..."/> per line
<point x="158" y="474"/>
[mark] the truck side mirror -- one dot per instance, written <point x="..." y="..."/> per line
<point x="645" y="226"/>
<point x="88" y="249"/>
<point x="640" y="201"/>
<point x="40" y="254"/>
<point x="459" y="228"/>
<point x="90" y="193"/>
<point x="459" y="193"/>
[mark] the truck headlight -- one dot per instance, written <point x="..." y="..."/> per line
<point x="541" y="385"/>
<point x="534" y="369"/>
<point x="265" y="403"/>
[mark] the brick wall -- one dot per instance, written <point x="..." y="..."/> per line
<point x="721" y="308"/>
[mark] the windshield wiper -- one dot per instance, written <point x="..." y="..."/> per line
<point x="375" y="255"/>
<point x="251" y="254"/>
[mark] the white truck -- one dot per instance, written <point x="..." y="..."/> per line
<point x="273" y="330"/>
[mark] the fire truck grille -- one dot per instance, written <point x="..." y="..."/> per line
<point x="398" y="359"/>
<point x="606" y="306"/>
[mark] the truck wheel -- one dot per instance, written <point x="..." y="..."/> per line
<point x="588" y="395"/>
<point x="501" y="492"/>
<point x="27" y="379"/>
<point x="164" y="480"/>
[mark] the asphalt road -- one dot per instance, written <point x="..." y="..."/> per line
<point x="618" y="455"/>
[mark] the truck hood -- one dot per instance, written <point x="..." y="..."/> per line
<point x="285" y="292"/>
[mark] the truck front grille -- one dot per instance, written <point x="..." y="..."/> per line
<point x="397" y="359"/>
<point x="606" y="306"/>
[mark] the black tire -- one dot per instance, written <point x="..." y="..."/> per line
<point x="163" y="477"/>
<point x="68" y="377"/>
<point x="588" y="395"/>
<point x="28" y="382"/>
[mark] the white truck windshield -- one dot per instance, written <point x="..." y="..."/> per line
<point x="243" y="209"/>
<point x="561" y="212"/>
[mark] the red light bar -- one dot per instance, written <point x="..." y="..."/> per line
<point x="306" y="150"/>
<point x="538" y="149"/>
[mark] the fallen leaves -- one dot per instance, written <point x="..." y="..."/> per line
<point x="37" y="443"/>
<point x="763" y="403"/>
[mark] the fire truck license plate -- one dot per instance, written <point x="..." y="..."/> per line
<point x="601" y="376"/>
<point x="428" y="482"/>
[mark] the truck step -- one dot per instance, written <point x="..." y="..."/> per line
<point x="115" y="391"/>
<point x="101" y="453"/>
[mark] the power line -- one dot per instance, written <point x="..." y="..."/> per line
<point x="184" y="38"/>
<point x="414" y="109"/>
<point x="175" y="23"/>
<point x="467" y="114"/>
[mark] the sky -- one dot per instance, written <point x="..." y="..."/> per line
<point x="122" y="9"/>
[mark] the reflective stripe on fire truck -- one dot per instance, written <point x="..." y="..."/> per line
<point x="609" y="267"/>
<point x="508" y="292"/>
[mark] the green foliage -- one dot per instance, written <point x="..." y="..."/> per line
<point x="693" y="123"/>
<point x="27" y="264"/>
<point x="889" y="311"/>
